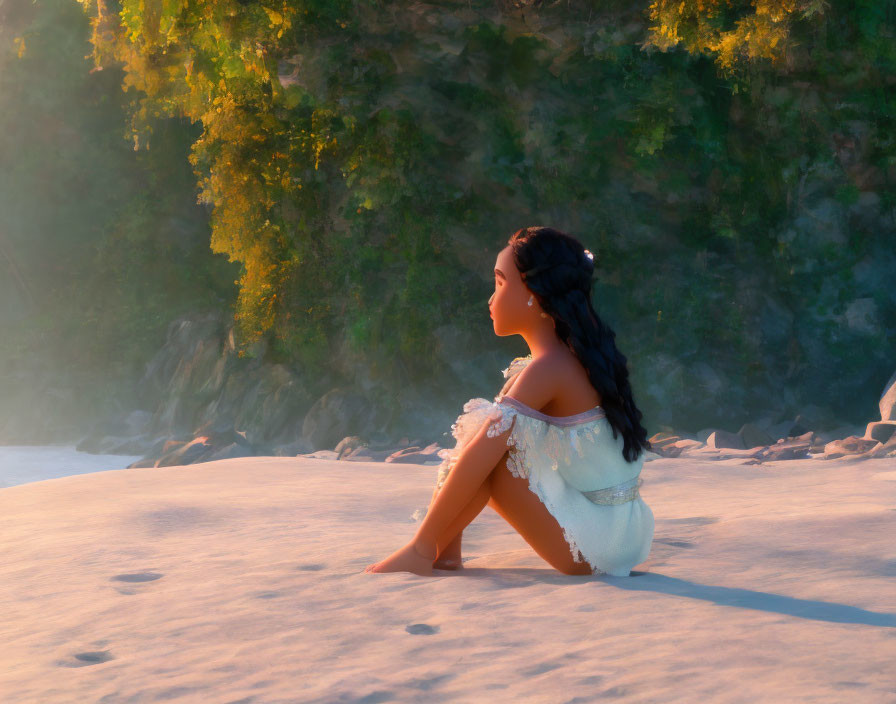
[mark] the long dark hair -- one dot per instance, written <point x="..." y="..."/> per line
<point x="556" y="268"/>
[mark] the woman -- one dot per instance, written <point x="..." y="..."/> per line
<point x="569" y="481"/>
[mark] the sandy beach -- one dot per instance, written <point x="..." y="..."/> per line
<point x="240" y="581"/>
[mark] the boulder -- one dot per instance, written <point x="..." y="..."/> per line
<point x="852" y="445"/>
<point x="188" y="453"/>
<point x="795" y="448"/>
<point x="754" y="436"/>
<point x="145" y="462"/>
<point x="786" y="429"/>
<point x="703" y="435"/>
<point x="365" y="454"/>
<point x="724" y="439"/>
<point x="679" y="446"/>
<point x="886" y="449"/>
<point x="347" y="445"/>
<point x="661" y="440"/>
<point x="333" y="415"/>
<point x="881" y="431"/>
<point x="416" y="455"/>
<point x="291" y="449"/>
<point x="320" y="455"/>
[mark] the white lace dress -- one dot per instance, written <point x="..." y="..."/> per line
<point x="576" y="467"/>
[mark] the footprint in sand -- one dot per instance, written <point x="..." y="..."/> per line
<point x="421" y="629"/>
<point x="92" y="657"/>
<point x="313" y="567"/>
<point x="135" y="577"/>
<point x="138" y="577"/>
<point x="674" y="543"/>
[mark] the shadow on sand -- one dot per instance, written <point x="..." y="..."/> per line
<point x="748" y="599"/>
<point x="661" y="584"/>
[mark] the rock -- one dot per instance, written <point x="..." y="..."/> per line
<point x="886" y="449"/>
<point x="764" y="422"/>
<point x="415" y="455"/>
<point x="754" y="436"/>
<point x="852" y="445"/>
<point x="840" y="432"/>
<point x="320" y="455"/>
<point x="888" y="400"/>
<point x="790" y="449"/>
<point x="333" y="415"/>
<point x="814" y="417"/>
<point x="222" y="433"/>
<point x="379" y="441"/>
<point x="817" y="445"/>
<point x="676" y="448"/>
<point x="347" y="444"/>
<point x="881" y="431"/>
<point x="728" y="453"/>
<point x="724" y="439"/>
<point x="661" y="440"/>
<point x="395" y="456"/>
<point x="230" y="452"/>
<point x="292" y="449"/>
<point x="170" y="446"/>
<point x="703" y="435"/>
<point x="365" y="454"/>
<point x="786" y="429"/>
<point x="145" y="462"/>
<point x="188" y="453"/>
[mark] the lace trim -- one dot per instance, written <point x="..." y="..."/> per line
<point x="516" y="365"/>
<point x="557" y="443"/>
<point x="476" y="412"/>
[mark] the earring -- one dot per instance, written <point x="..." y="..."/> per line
<point x="531" y="298"/>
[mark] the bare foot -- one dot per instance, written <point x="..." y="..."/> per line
<point x="406" y="559"/>
<point x="448" y="559"/>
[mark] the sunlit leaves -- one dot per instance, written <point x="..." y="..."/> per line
<point x="732" y="31"/>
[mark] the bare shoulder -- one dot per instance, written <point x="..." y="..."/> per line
<point x="555" y="384"/>
<point x="537" y="384"/>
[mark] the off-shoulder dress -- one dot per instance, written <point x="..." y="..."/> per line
<point x="576" y="467"/>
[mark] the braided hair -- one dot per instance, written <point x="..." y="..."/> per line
<point x="558" y="271"/>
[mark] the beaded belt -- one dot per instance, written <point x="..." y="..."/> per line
<point x="612" y="495"/>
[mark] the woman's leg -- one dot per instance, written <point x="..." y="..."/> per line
<point x="449" y="544"/>
<point x="461" y="498"/>
<point x="512" y="499"/>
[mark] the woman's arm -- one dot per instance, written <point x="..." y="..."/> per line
<point x="534" y="387"/>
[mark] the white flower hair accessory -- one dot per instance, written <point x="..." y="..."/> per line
<point x="589" y="255"/>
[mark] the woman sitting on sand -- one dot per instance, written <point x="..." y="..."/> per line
<point x="569" y="481"/>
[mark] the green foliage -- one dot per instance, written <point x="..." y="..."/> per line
<point x="364" y="161"/>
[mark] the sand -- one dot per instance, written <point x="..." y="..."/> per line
<point x="242" y="581"/>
